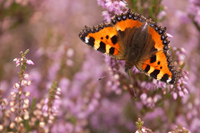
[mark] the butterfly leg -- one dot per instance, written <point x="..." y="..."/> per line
<point x="130" y="88"/>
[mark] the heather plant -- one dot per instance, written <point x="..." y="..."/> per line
<point x="60" y="91"/>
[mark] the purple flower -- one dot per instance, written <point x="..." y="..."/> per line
<point x="161" y="14"/>
<point x="30" y="62"/>
<point x="197" y="17"/>
<point x="183" y="17"/>
<point x="106" y="16"/>
<point x="101" y="2"/>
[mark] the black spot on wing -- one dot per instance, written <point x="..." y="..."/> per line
<point x="114" y="39"/>
<point x="111" y="50"/>
<point x="153" y="59"/>
<point x="172" y="81"/>
<point x="165" y="77"/>
<point x="102" y="47"/>
<point x="147" y="68"/>
<point x="153" y="49"/>
<point x="91" y="41"/>
<point x="155" y="73"/>
<point x="107" y="37"/>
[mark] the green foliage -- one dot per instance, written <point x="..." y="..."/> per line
<point x="151" y="10"/>
<point x="18" y="13"/>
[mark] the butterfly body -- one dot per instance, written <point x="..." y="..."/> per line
<point x="138" y="41"/>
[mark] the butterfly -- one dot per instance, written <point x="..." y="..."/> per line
<point x="139" y="41"/>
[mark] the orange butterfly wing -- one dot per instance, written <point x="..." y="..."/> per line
<point x="159" y="65"/>
<point x="106" y="39"/>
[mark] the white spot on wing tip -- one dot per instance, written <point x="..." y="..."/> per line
<point x="169" y="80"/>
<point x="86" y="40"/>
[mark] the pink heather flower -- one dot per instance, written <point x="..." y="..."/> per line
<point x="12" y="125"/>
<point x="112" y="6"/>
<point x="183" y="16"/>
<point x="143" y="130"/>
<point x="181" y="94"/>
<point x="183" y="51"/>
<point x="18" y="119"/>
<point x="106" y="16"/>
<point x="101" y="2"/>
<point x="116" y="7"/>
<point x="13" y="95"/>
<point x="143" y="96"/>
<point x="70" y="52"/>
<point x="24" y="82"/>
<point x="17" y="62"/>
<point x="16" y="85"/>
<point x="185" y="91"/>
<point x="122" y="3"/>
<point x="26" y="76"/>
<point x="195" y="124"/>
<point x="57" y="97"/>
<point x="69" y="62"/>
<point x="56" y="105"/>
<point x="42" y="124"/>
<point x="45" y="108"/>
<point x="109" y="6"/>
<point x="30" y="62"/>
<point x="174" y="95"/>
<point x="58" y="92"/>
<point x="169" y="35"/>
<point x="197" y="17"/>
<point x="192" y="9"/>
<point x="27" y="94"/>
<point x="53" y="70"/>
<point x="161" y="14"/>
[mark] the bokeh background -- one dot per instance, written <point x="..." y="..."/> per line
<point x="50" y="28"/>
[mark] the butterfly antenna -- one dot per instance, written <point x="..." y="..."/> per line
<point x="104" y="77"/>
<point x="131" y="89"/>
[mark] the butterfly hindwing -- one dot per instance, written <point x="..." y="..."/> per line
<point x="159" y="65"/>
